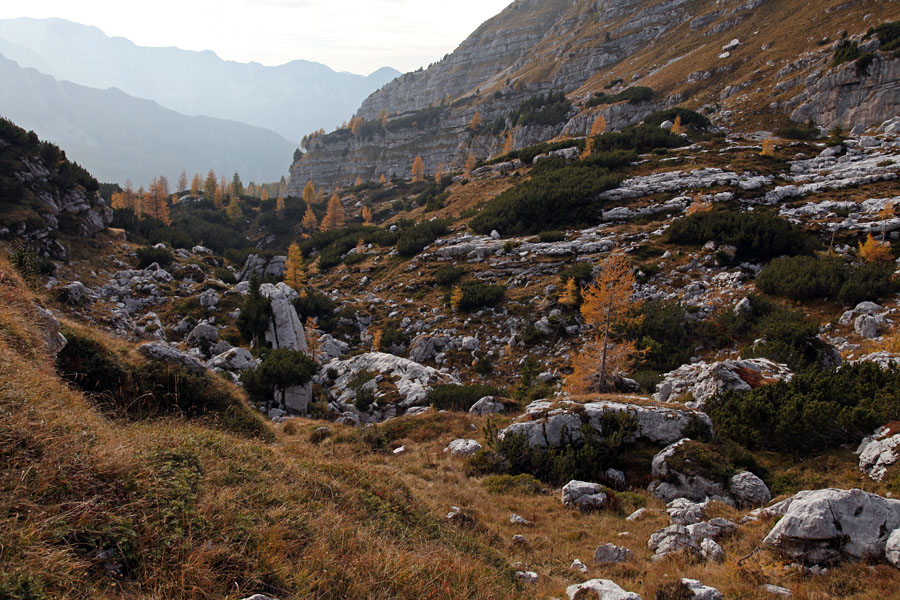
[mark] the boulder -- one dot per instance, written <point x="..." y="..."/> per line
<point x="682" y="511"/>
<point x="527" y="576"/>
<point x="748" y="490"/>
<point x="209" y="299"/>
<point x="424" y="347"/>
<point x="558" y="423"/>
<point x="867" y="326"/>
<point x="166" y="353"/>
<point x="74" y="293"/>
<point x="674" y="539"/>
<point x="285" y="329"/>
<point x="49" y="327"/>
<point x="203" y="335"/>
<point x="235" y="359"/>
<point x="711" y="551"/>
<point x="609" y="554"/>
<point x="462" y="447"/>
<point x="273" y="267"/>
<point x="487" y="406"/>
<point x="700" y="591"/>
<point x="599" y="589"/>
<point x="584" y="495"/>
<point x="829" y="525"/>
<point x="670" y="483"/>
<point x="703" y="380"/>
<point x="892" y="549"/>
<point x="879" y="451"/>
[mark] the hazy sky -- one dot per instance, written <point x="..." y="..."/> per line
<point x="347" y="35"/>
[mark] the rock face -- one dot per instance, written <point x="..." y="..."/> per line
<point x="826" y="526"/>
<point x="262" y="266"/>
<point x="166" y="353"/>
<point x="285" y="329"/>
<point x="554" y="424"/>
<point x="703" y="380"/>
<point x="845" y="97"/>
<point x="599" y="589"/>
<point x="879" y="451"/>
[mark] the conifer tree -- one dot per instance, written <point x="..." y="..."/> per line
<point x="196" y="185"/>
<point x="677" y="127"/>
<point x="279" y="206"/>
<point x="182" y="182"/>
<point x="768" y="147"/>
<point x="475" y="123"/>
<point x="418" y="169"/>
<point x="256" y="313"/>
<point x="264" y="194"/>
<point x="367" y="215"/>
<point x="309" y="193"/>
<point x="237" y="188"/>
<point x="874" y="251"/>
<point x="382" y="179"/>
<point x="294" y="274"/>
<point x="233" y="210"/>
<point x="312" y="340"/>
<point x="508" y="142"/>
<point x="605" y="305"/>
<point x="456" y="297"/>
<point x="571" y="295"/>
<point x="310" y="223"/>
<point x="358" y="181"/>
<point x="334" y="214"/>
<point x="210" y="186"/>
<point x="597" y="127"/>
<point x="439" y="173"/>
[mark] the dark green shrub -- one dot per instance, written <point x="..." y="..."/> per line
<point x="448" y="275"/>
<point x="413" y="240"/>
<point x="817" y="410"/>
<point x="845" y="51"/>
<point x="365" y="397"/>
<point x="640" y="138"/>
<point x="479" y="295"/>
<point x="889" y="36"/>
<point x="688" y="118"/>
<point x="225" y="276"/>
<point x="661" y="327"/>
<point x="280" y="369"/>
<point x="870" y="281"/>
<point x="803" y="277"/>
<point x="551" y="236"/>
<point x="354" y="258"/>
<point x="256" y="313"/>
<point x="634" y="95"/>
<point x="757" y="235"/>
<point x="149" y="255"/>
<point x="318" y="306"/>
<point x="522" y="485"/>
<point x="549" y="109"/>
<point x="809" y="131"/>
<point x="31" y="266"/>
<point x="581" y="272"/>
<point x="460" y="397"/>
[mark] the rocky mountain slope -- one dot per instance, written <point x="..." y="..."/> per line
<point x="120" y="137"/>
<point x="290" y="99"/>
<point x="729" y="57"/>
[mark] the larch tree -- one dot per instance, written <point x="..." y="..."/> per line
<point x="196" y="185"/>
<point x="508" y="144"/>
<point x="279" y="206"/>
<point x="219" y="198"/>
<point x="768" y="147"/>
<point x="597" y="127"/>
<point x="382" y="179"/>
<point x="264" y="194"/>
<point x="358" y="182"/>
<point x="367" y="215"/>
<point x="309" y="223"/>
<point x="233" y="210"/>
<point x="334" y="214"/>
<point x="874" y="251"/>
<point x="571" y="295"/>
<point x="605" y="304"/>
<point x="237" y="188"/>
<point x="677" y="127"/>
<point x="418" y="169"/>
<point x="475" y="123"/>
<point x="182" y="182"/>
<point x="439" y="173"/>
<point x="294" y="274"/>
<point x="356" y="125"/>
<point x="210" y="186"/>
<point x="309" y="193"/>
<point x="312" y="340"/>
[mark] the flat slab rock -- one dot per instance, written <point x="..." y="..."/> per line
<point x="554" y="424"/>
<point x="830" y="525"/>
<point x="600" y="589"/>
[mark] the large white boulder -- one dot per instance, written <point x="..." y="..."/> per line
<point x="670" y="483"/>
<point x="285" y="329"/>
<point x="703" y="380"/>
<point x="749" y="490"/>
<point x="825" y="526"/>
<point x="584" y="495"/>
<point x="892" y="548"/>
<point x="463" y="447"/>
<point x="674" y="539"/>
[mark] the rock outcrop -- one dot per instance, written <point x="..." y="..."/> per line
<point x="701" y="381"/>
<point x="557" y="423"/>
<point x="879" y="451"/>
<point x="830" y="525"/>
<point x="599" y="589"/>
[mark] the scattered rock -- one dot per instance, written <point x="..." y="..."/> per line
<point x="673" y="539"/>
<point x="748" y="490"/>
<point x="584" y="495"/>
<point x="577" y="565"/>
<point x="612" y="554"/>
<point x="711" y="551"/>
<point x="166" y="353"/>
<point x="527" y="576"/>
<point x="892" y="549"/>
<point x="462" y="447"/>
<point x="517" y="520"/>
<point x="701" y="381"/>
<point x="700" y="591"/>
<point x="487" y="406"/>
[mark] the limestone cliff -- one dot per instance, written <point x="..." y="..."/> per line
<point x="728" y="57"/>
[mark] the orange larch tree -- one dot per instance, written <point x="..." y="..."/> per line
<point x="309" y="223"/>
<point x="334" y="214"/>
<point x="418" y="169"/>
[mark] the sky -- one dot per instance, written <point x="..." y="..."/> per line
<point x="359" y="36"/>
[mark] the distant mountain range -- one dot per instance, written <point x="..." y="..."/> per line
<point x="292" y="99"/>
<point x="119" y="137"/>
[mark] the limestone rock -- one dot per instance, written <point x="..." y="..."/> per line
<point x="612" y="554"/>
<point x="285" y="329"/>
<point x="825" y="526"/>
<point x="235" y="359"/>
<point x="462" y="447"/>
<point x="711" y="551"/>
<point x="748" y="490"/>
<point x="487" y="406"/>
<point x="700" y="591"/>
<point x="670" y="484"/>
<point x="166" y="353"/>
<point x="892" y="548"/>
<point x="584" y="495"/>
<point x="878" y="452"/>
<point x="673" y="539"/>
<point x="703" y="380"/>
<point x="599" y="589"/>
